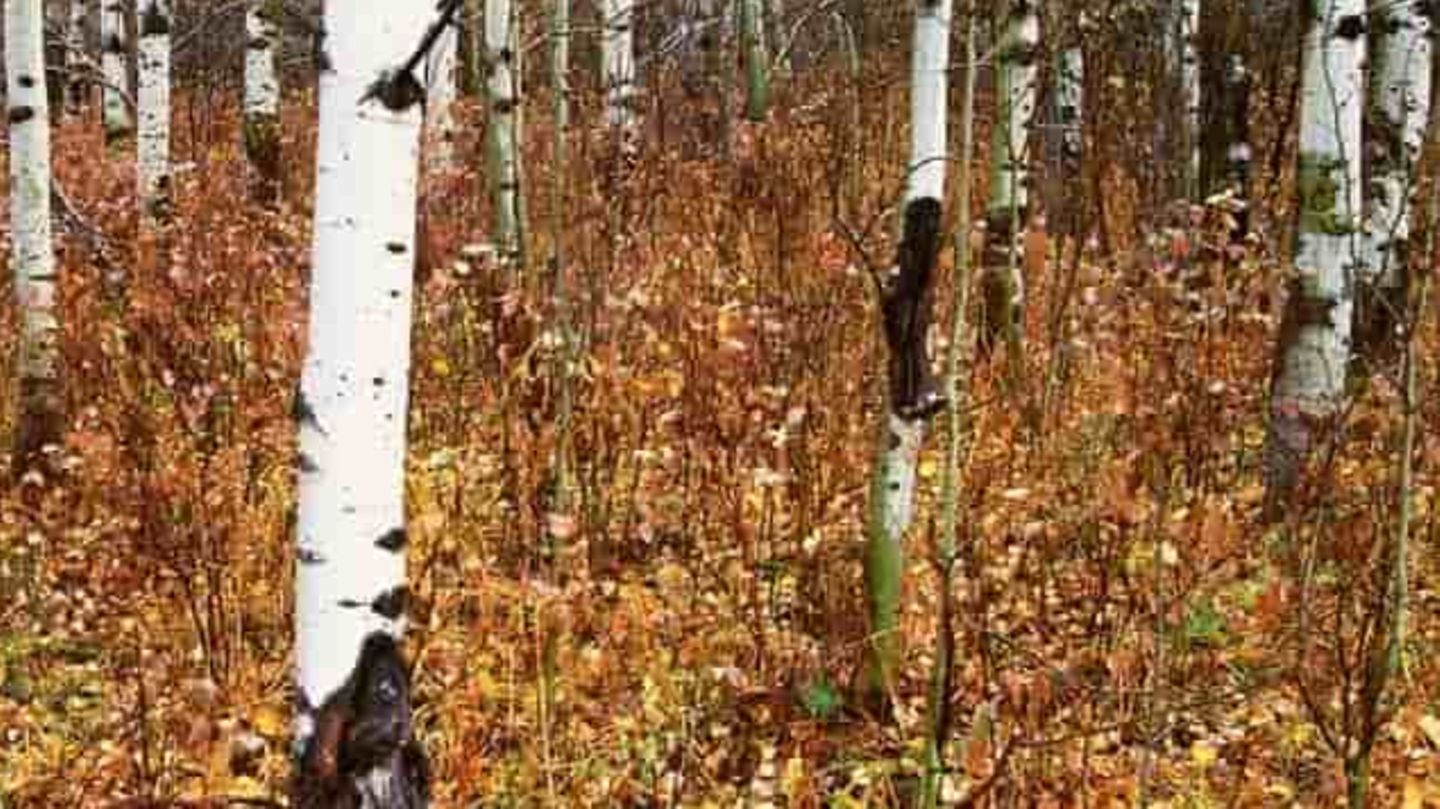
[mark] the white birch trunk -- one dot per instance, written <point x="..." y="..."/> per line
<point x="262" y="95"/>
<point x="503" y="130"/>
<point x="618" y="55"/>
<point x="1314" y="341"/>
<point x="113" y="55"/>
<point x="354" y="392"/>
<point x="1007" y="208"/>
<point x="912" y="396"/>
<point x="262" y="83"/>
<point x="441" y="89"/>
<point x="153" y="99"/>
<point x="32" y="257"/>
<point x="1401" y="105"/>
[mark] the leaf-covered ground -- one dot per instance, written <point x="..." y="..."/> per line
<point x="1127" y="625"/>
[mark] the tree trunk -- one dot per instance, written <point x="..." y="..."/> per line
<point x="1008" y="205"/>
<point x="1225" y="150"/>
<point x="441" y="89"/>
<point x="78" y="93"/>
<point x="262" y="97"/>
<point x="906" y="302"/>
<point x="354" y="740"/>
<point x="1399" y="113"/>
<point x="1067" y="101"/>
<point x="1313" y="348"/>
<point x="1187" y="64"/>
<point x="784" y="47"/>
<point x="153" y="136"/>
<point x="113" y="58"/>
<point x="32" y="256"/>
<point x="503" y="130"/>
<point x="757" y="79"/>
<point x="618" y="56"/>
<point x="956" y="374"/>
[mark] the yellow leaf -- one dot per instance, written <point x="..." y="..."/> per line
<point x="1414" y="795"/>
<point x="440" y="367"/>
<point x="269" y="722"/>
<point x="1203" y="754"/>
<point x="928" y="469"/>
<point x="793" y="781"/>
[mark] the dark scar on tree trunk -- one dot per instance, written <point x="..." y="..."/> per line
<point x="363" y="752"/>
<point x="393" y="540"/>
<point x="906" y="305"/>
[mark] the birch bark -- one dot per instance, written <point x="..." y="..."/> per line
<point x="913" y="397"/>
<point x="354" y="740"/>
<point x="32" y="257"/>
<point x="1313" y="347"/>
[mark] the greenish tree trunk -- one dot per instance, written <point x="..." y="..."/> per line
<point x="757" y="78"/>
<point x="502" y="144"/>
<point x="912" y="394"/>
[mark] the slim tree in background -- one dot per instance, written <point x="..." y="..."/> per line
<point x="1064" y="138"/>
<point x="262" y="96"/>
<point x="957" y="365"/>
<point x="501" y="56"/>
<point x="113" y="57"/>
<point x="1313" y="347"/>
<point x="1399" y="112"/>
<point x="563" y="373"/>
<point x="354" y="741"/>
<point x="757" y="78"/>
<point x="1009" y="201"/>
<point x="32" y="258"/>
<point x="1187" y="66"/>
<point x="1225" y="148"/>
<point x="618" y="55"/>
<point x="77" y="41"/>
<point x="775" y="14"/>
<point x="906" y="300"/>
<point x="153" y="135"/>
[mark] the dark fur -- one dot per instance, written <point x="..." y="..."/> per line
<point x="364" y="737"/>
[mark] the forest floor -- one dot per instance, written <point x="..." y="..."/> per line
<point x="1127" y="624"/>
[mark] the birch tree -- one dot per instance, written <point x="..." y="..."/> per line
<point x="1313" y="347"/>
<point x="906" y="299"/>
<point x="262" y="96"/>
<point x="1187" y="62"/>
<point x="501" y="56"/>
<point x="354" y="742"/>
<point x="1008" y="205"/>
<point x="32" y="258"/>
<point x="1399" y="111"/>
<point x="77" y="42"/>
<point x="153" y="134"/>
<point x="757" y="79"/>
<point x="1065" y="146"/>
<point x="618" y="55"/>
<point x="442" y="67"/>
<point x="113" y="53"/>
